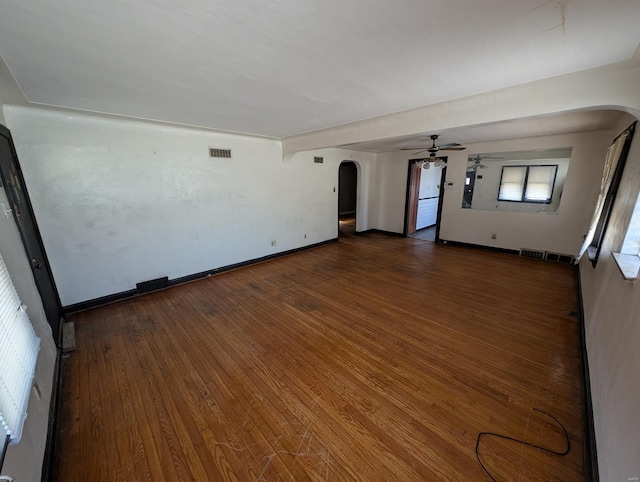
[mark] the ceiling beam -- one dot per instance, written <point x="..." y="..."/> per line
<point x="610" y="87"/>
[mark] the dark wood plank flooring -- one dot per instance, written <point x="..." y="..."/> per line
<point x="373" y="359"/>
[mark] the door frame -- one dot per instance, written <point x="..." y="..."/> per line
<point x="415" y="195"/>
<point x="412" y="196"/>
<point x="56" y="322"/>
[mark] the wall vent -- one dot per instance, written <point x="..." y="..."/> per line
<point x="559" y="258"/>
<point x="152" y="285"/>
<point x="318" y="160"/>
<point x="532" y="253"/>
<point x="224" y="153"/>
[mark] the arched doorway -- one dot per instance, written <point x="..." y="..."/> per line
<point x="347" y="197"/>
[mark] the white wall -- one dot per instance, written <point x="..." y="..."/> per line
<point x="391" y="191"/>
<point x="365" y="163"/>
<point x="121" y="201"/>
<point x="612" y="325"/>
<point x="10" y="93"/>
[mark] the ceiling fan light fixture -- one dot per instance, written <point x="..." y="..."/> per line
<point x="433" y="149"/>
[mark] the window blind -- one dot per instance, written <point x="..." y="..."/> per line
<point x="512" y="183"/>
<point x="540" y="183"/>
<point x="611" y="164"/>
<point x="19" y="347"/>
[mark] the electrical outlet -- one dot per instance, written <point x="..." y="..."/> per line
<point x="305" y="236"/>
<point x="493" y="236"/>
<point x="273" y="243"/>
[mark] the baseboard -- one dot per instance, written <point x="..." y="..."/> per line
<point x="242" y="264"/>
<point x="379" y="231"/>
<point x="112" y="298"/>
<point x="590" y="455"/>
<point x="479" y="246"/>
<point x="101" y="301"/>
<point x="49" y="463"/>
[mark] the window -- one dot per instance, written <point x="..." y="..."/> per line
<point x="512" y="183"/>
<point x="531" y="184"/>
<point x="19" y="347"/>
<point x="628" y="259"/>
<point x="611" y="175"/>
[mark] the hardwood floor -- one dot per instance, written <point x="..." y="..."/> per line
<point x="373" y="359"/>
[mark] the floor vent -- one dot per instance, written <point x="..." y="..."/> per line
<point x="559" y="258"/>
<point x="68" y="337"/>
<point x="224" y="153"/>
<point x="152" y="285"/>
<point x="531" y="253"/>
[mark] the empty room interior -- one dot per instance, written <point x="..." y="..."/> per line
<point x="323" y="241"/>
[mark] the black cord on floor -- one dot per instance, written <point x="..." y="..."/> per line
<point x="522" y="442"/>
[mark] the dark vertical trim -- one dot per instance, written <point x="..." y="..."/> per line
<point x="5" y="446"/>
<point x="443" y="180"/>
<point x="57" y="331"/>
<point x="524" y="187"/>
<point x="553" y="184"/>
<point x="405" y="226"/>
<point x="49" y="463"/>
<point x="590" y="454"/>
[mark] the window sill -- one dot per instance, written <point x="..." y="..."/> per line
<point x="629" y="265"/>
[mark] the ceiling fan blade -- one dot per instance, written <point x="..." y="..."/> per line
<point x="451" y="144"/>
<point x="444" y="148"/>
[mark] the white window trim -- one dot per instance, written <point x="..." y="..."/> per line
<point x="629" y="265"/>
<point x="628" y="259"/>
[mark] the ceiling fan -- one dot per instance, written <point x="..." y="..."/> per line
<point x="433" y="150"/>
<point x="475" y="164"/>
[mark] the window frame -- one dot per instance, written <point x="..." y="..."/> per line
<point x="523" y="198"/>
<point x="600" y="224"/>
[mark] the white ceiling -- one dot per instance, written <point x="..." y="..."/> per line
<point x="284" y="67"/>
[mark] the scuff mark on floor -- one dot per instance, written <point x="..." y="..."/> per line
<point x="310" y="453"/>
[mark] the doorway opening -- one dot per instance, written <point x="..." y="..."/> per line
<point x="425" y="191"/>
<point x="347" y="198"/>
